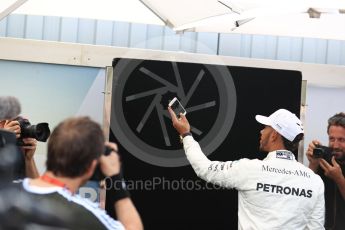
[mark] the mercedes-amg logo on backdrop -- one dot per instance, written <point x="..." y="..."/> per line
<point x="141" y="92"/>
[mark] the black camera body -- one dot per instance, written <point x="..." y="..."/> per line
<point x="40" y="132"/>
<point x="324" y="152"/>
<point x="98" y="175"/>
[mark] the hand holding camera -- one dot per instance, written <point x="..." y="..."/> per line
<point x="13" y="126"/>
<point x="110" y="170"/>
<point x="316" y="151"/>
<point x="313" y="161"/>
<point x="109" y="162"/>
<point x="40" y="132"/>
<point x="29" y="147"/>
<point x="26" y="137"/>
<point x="332" y="169"/>
<point x="323" y="152"/>
<point x="23" y="129"/>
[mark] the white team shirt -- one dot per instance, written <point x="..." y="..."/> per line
<point x="275" y="193"/>
<point x="75" y="200"/>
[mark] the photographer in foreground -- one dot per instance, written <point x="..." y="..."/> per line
<point x="275" y="193"/>
<point x="331" y="168"/>
<point x="75" y="148"/>
<point x="9" y="110"/>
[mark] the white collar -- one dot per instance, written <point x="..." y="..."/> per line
<point x="38" y="189"/>
<point x="280" y="154"/>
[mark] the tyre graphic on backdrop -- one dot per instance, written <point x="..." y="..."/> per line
<point x="141" y="92"/>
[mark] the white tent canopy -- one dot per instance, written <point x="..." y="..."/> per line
<point x="302" y="18"/>
<point x="114" y="10"/>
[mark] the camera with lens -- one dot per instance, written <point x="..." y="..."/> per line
<point x="40" y="132"/>
<point x="324" y="152"/>
<point x="98" y="175"/>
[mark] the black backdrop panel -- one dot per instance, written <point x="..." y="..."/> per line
<point x="221" y="104"/>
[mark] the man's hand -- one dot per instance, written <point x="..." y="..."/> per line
<point x="110" y="165"/>
<point x="13" y="126"/>
<point x="313" y="162"/>
<point x="29" y="148"/>
<point x="333" y="170"/>
<point x="181" y="125"/>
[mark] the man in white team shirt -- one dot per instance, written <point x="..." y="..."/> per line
<point x="75" y="149"/>
<point x="275" y="193"/>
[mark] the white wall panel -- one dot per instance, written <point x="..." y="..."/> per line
<point x="86" y="31"/>
<point x="154" y="37"/>
<point x="69" y="30"/>
<point x="283" y="49"/>
<point x="296" y="45"/>
<point x="309" y="50"/>
<point x="230" y="44"/>
<point x="342" y="54"/>
<point x="271" y="43"/>
<point x="188" y="42"/>
<point x="34" y="27"/>
<point x="16" y="26"/>
<point x="3" y="27"/>
<point x="121" y="34"/>
<point x="258" y="46"/>
<point x="51" y="28"/>
<point x="207" y="43"/>
<point x="171" y="40"/>
<point x="246" y="45"/>
<point x="321" y="51"/>
<point x="333" y="52"/>
<point x="104" y="33"/>
<point x="138" y="34"/>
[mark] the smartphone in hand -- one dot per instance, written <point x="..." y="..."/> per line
<point x="177" y="107"/>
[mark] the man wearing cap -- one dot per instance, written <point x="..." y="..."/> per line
<point x="275" y="193"/>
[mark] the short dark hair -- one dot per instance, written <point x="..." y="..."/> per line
<point x="336" y="120"/>
<point x="292" y="145"/>
<point x="73" y="145"/>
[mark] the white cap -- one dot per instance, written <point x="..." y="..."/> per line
<point x="284" y="122"/>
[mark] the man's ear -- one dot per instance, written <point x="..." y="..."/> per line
<point x="92" y="168"/>
<point x="274" y="135"/>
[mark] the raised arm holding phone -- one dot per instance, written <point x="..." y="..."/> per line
<point x="275" y="193"/>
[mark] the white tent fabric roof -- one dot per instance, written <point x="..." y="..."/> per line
<point x="114" y="10"/>
<point x="302" y="18"/>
